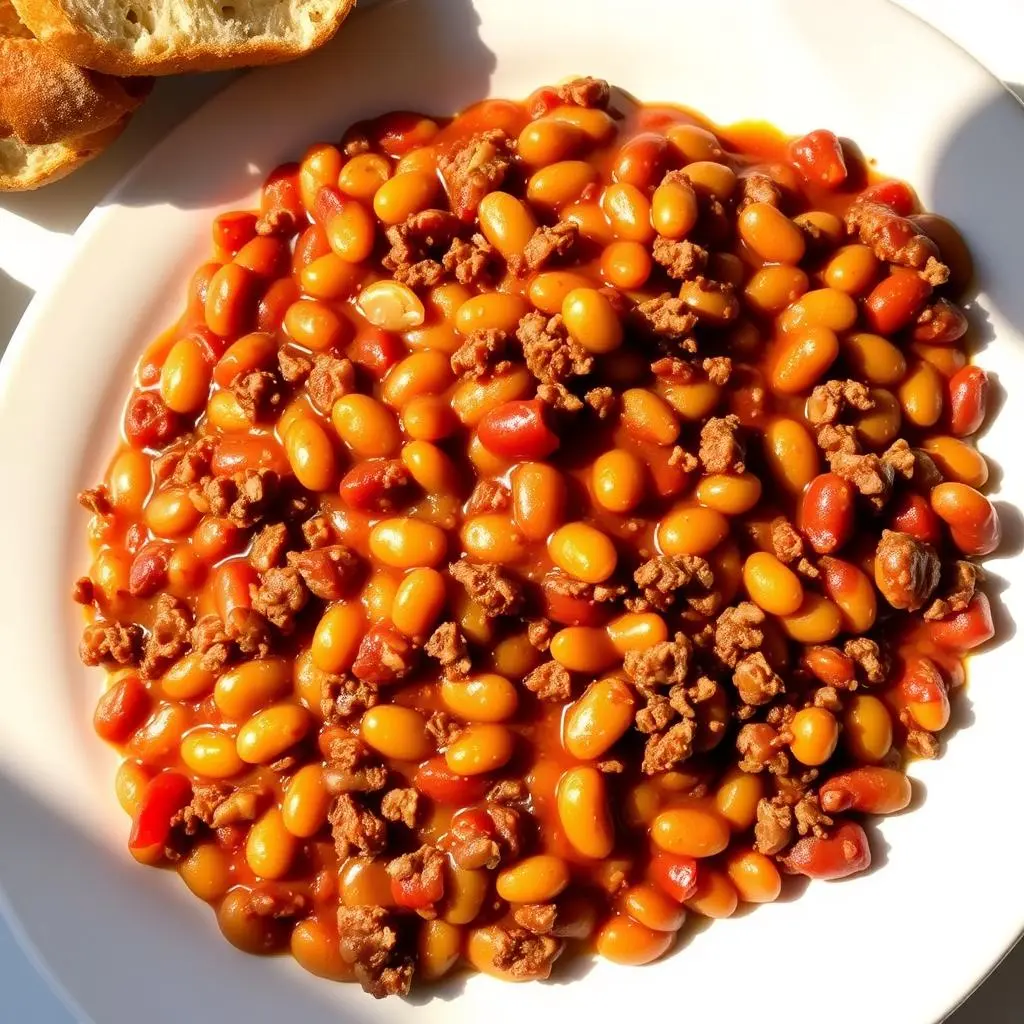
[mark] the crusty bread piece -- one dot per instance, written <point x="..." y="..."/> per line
<point x="44" y="99"/>
<point x="24" y="167"/>
<point x="163" y="37"/>
<point x="53" y="115"/>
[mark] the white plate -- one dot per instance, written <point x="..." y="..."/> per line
<point x="904" y="943"/>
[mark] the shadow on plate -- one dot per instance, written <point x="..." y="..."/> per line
<point x="14" y="299"/>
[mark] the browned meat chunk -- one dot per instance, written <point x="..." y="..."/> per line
<point x="280" y="597"/>
<point x="475" y="167"/>
<point x="329" y="380"/>
<point x="401" y="805"/>
<point x="550" y="682"/>
<point x="601" y="400"/>
<point x="268" y="547"/>
<point x="352" y="767"/>
<point x="718" y="369"/>
<point x="774" y="829"/>
<point x="895" y="239"/>
<point x="681" y="260"/>
<point x="667" y="750"/>
<point x="787" y="544"/>
<point x="546" y="245"/>
<point x="830" y="400"/>
<point x="663" y="577"/>
<point x="369" y="941"/>
<point x="488" y="585"/>
<point x="482" y="354"/>
<point x="957" y="594"/>
<point x="736" y="632"/>
<point x="488" y="496"/>
<point x="755" y="680"/>
<point x="868" y="473"/>
<point x="343" y="698"/>
<point x="117" y="642"/>
<point x="168" y="637"/>
<point x="355" y="828"/>
<point x="448" y="645"/>
<point x="662" y="664"/>
<point x="523" y="954"/>
<point x="759" y="188"/>
<point x="327" y="572"/>
<point x="721" y="451"/>
<point x="551" y="355"/>
<point x="585" y="92"/>
<point x="538" y="918"/>
<point x="293" y="366"/>
<point x="906" y="571"/>
<point x="472" y="261"/>
<point x="420" y="871"/>
<point x="258" y="393"/>
<point x="667" y="315"/>
<point x="868" y="658"/>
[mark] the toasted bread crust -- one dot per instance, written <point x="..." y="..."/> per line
<point x="24" y="167"/>
<point x="44" y="99"/>
<point x="50" y="23"/>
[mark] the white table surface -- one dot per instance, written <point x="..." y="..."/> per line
<point x="36" y="232"/>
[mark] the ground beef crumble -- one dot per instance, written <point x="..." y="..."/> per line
<point x="329" y="380"/>
<point x="585" y="92"/>
<point x="168" y="638"/>
<point x="523" y="954"/>
<point x="421" y="869"/>
<point x="488" y="496"/>
<point x="328" y="571"/>
<point x="447" y="645"/>
<point x="906" y="570"/>
<point x="473" y="168"/>
<point x="551" y="355"/>
<point x="355" y="828"/>
<point x="370" y="942"/>
<point x="667" y="750"/>
<point x="280" y="596"/>
<point x="666" y="316"/>
<point x="401" y="805"/>
<point x="787" y="544"/>
<point x="737" y="632"/>
<point x="682" y="261"/>
<point x="268" y="547"/>
<point x="482" y="354"/>
<point x="119" y="643"/>
<point x="830" y="400"/>
<point x="721" y="450"/>
<point x="662" y="664"/>
<point x="489" y="586"/>
<point x="957" y="593"/>
<point x="550" y="682"/>
<point x="664" y="577"/>
<point x="546" y="245"/>
<point x="755" y="680"/>
<point x="893" y="240"/>
<point x="470" y="261"/>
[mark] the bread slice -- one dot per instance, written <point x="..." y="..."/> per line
<point x="25" y="167"/>
<point x="53" y="115"/>
<point x="163" y="37"/>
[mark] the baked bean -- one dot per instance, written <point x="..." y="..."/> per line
<point x="547" y="141"/>
<point x="212" y="539"/>
<point x="755" y="876"/>
<point x="583" y="551"/>
<point x="430" y="467"/>
<point x="648" y="905"/>
<point x="187" y="679"/>
<point x="241" y="691"/>
<point x="255" y="351"/>
<point x="538" y="499"/>
<point x="894" y="301"/>
<point x="311" y="455"/>
<point x="874" y="358"/>
<point x="465" y="891"/>
<point x="366" y="426"/>
<point x="392" y="306"/>
<point x="852" y="269"/>
<point x="129" y="482"/>
<point x="913" y="514"/>
<point x="803" y="359"/>
<point x="843" y="853"/>
<point x="693" y="401"/>
<point x="708" y="177"/>
<point x="920" y="395"/>
<point x="315" y="948"/>
<point x="716" y="896"/>
<point x="210" y="752"/>
<point x="397" y="732"/>
<point x="351" y="232"/>
<point x="266" y="258"/>
<point x="270" y="732"/>
<point x="419" y="601"/>
<point x="710" y="303"/>
<point x="957" y="460"/>
<point x="507" y="223"/>
<point x="482" y="747"/>
<point x="648" y="417"/>
<point x="596" y="124"/>
<point x="438" y="948"/>
<point x="583" y="649"/>
<point x="230" y="300"/>
<point x="224" y="412"/>
<point x="185" y="377"/>
<point x="537" y="879"/>
<point x="270" y="848"/>
<point x="815" y="734"/>
<point x="483" y="698"/>
<point x="548" y="290"/>
<point x="306" y="801"/>
<point x="737" y="797"/>
<point x="827" y="512"/>
<point x="626" y="265"/>
<point x="428" y="418"/>
<point x="691" y="530"/>
<point x="485" y="951"/>
<point x="624" y="940"/>
<point x="248" y="931"/>
<point x="823" y="307"/>
<point x="407" y="543"/>
<point x="618" y="480"/>
<point x="363" y="174"/>
<point x="636" y="631"/>
<point x="868" y="790"/>
<point x="674" y="209"/>
<point x="337" y="636"/>
<point x="771" y="234"/>
<point x="486" y="462"/>
<point x="968" y="398"/>
<point x="628" y="211"/>
<point x="491" y="311"/>
<point x="493" y="538"/>
<point x="693" y="142"/>
<point x="826" y="227"/>
<point x="170" y="513"/>
<point x="590" y="320"/>
<point x="330" y="278"/>
<point x="558" y="184"/>
<point x="472" y="400"/>
<point x="590" y="222"/>
<point x="422" y="373"/>
<point x="403" y="195"/>
<point x="690" y="832"/>
<point x="947" y="359"/>
<point x="315" y="325"/>
<point x="972" y="519"/>
<point x="771" y="585"/>
<point x="792" y="455"/>
<point x="816" y="621"/>
<point x="774" y="287"/>
<point x="600" y="717"/>
<point x="206" y="871"/>
<point x="320" y="166"/>
<point x="879" y="427"/>
<point x="967" y="629"/>
<point x="582" y="804"/>
<point x="867" y="728"/>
